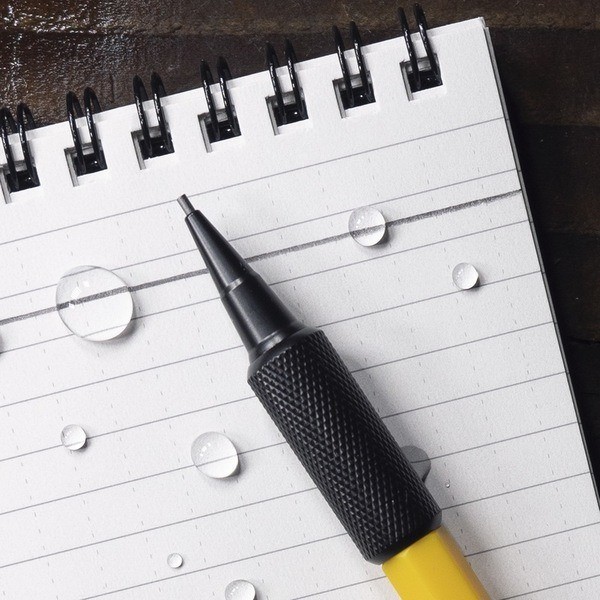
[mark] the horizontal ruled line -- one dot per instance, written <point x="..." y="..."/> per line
<point x="341" y="587"/>
<point x="253" y="180"/>
<point x="135" y="480"/>
<point x="231" y="562"/>
<point x="239" y="346"/>
<point x="552" y="587"/>
<point x="533" y="539"/>
<point x="266" y="255"/>
<point x="163" y="526"/>
<point x="460" y="344"/>
<point x="130" y="427"/>
<point x="244" y="398"/>
<point x="307" y="275"/>
<point x="475" y="394"/>
<point x="496" y="442"/>
<point x="280" y="550"/>
<point x="279" y="228"/>
<point x="123" y="375"/>
<point x="298" y="492"/>
<point x="521" y="489"/>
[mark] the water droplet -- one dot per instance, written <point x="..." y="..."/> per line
<point x="215" y="455"/>
<point x="73" y="437"/>
<point x="175" y="560"/>
<point x="240" y="590"/>
<point x="447" y="484"/>
<point x="367" y="226"/>
<point x="94" y="303"/>
<point x="465" y="276"/>
<point x="419" y="460"/>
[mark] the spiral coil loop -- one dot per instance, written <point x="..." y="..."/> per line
<point x="85" y="162"/>
<point x="427" y="74"/>
<point x="295" y="109"/>
<point x="218" y="124"/>
<point x="152" y="146"/>
<point x="225" y="125"/>
<point x="18" y="179"/>
<point x="353" y="93"/>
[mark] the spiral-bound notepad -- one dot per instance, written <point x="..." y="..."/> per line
<point x="475" y="377"/>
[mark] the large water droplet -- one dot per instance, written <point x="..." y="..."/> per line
<point x="240" y="590"/>
<point x="175" y="560"/>
<point x="465" y="276"/>
<point x="215" y="455"/>
<point x="73" y="437"/>
<point x="94" y="303"/>
<point x="367" y="226"/>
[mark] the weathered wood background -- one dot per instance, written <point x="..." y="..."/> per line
<point x="548" y="55"/>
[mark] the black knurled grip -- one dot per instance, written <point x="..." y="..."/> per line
<point x="345" y="447"/>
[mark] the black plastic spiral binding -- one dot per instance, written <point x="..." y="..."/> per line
<point x="422" y="74"/>
<point x="152" y="145"/>
<point x="18" y="178"/>
<point x="220" y="125"/>
<point x="90" y="159"/>
<point x="292" y="109"/>
<point x="353" y="92"/>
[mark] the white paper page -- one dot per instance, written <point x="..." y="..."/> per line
<point x="475" y="378"/>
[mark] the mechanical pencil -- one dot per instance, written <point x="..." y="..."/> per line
<point x="335" y="432"/>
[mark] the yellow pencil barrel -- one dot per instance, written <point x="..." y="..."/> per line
<point x="433" y="568"/>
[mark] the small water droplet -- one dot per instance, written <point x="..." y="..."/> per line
<point x="240" y="590"/>
<point x="465" y="276"/>
<point x="94" y="303"/>
<point x="367" y="226"/>
<point x="175" y="560"/>
<point x="447" y="484"/>
<point x="73" y="437"/>
<point x="215" y="455"/>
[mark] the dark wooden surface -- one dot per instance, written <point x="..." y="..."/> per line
<point x="548" y="55"/>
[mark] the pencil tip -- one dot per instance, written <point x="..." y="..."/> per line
<point x="185" y="204"/>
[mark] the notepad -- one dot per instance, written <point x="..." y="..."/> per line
<point x="476" y="378"/>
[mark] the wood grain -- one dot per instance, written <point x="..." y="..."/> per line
<point x="552" y="75"/>
<point x="549" y="60"/>
<point x="244" y="18"/>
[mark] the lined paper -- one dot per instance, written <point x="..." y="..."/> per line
<point x="475" y="378"/>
